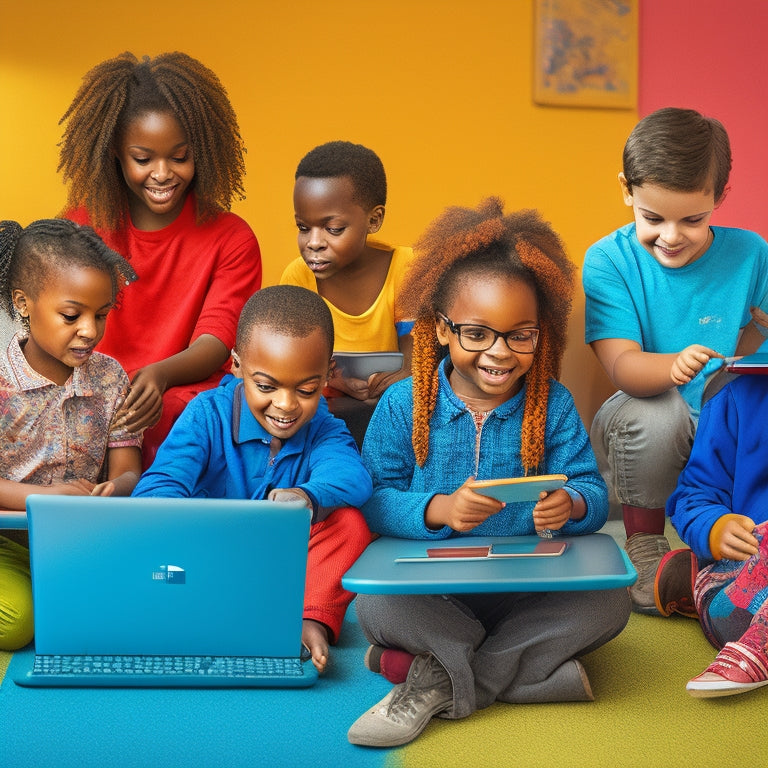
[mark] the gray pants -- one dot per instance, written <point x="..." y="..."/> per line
<point x="515" y="647"/>
<point x="642" y="445"/>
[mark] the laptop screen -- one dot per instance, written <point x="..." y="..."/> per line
<point x="167" y="576"/>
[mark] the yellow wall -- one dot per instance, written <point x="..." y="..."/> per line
<point x="440" y="89"/>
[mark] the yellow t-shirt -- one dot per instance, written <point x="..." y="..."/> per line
<point x="377" y="329"/>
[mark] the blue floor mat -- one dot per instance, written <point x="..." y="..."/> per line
<point x="96" y="728"/>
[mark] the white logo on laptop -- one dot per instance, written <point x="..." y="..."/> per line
<point x="170" y="574"/>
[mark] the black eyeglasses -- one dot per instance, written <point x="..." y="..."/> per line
<point x="479" y="338"/>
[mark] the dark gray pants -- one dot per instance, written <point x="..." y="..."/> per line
<point x="515" y="647"/>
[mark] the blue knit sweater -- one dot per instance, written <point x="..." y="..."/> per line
<point x="402" y="489"/>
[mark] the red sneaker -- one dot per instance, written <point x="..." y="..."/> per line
<point x="736" y="669"/>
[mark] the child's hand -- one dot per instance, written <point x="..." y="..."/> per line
<point x="690" y="361"/>
<point x="103" y="489"/>
<point x="357" y="388"/>
<point x="378" y="382"/>
<point x="314" y="637"/>
<point x="290" y="494"/>
<point x="553" y="510"/>
<point x="77" y="487"/>
<point x="144" y="403"/>
<point x="462" y="510"/>
<point x="731" y="538"/>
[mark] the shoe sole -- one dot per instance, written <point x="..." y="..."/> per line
<point x="712" y="689"/>
<point x="363" y="740"/>
<point x="646" y="610"/>
<point x="394" y="742"/>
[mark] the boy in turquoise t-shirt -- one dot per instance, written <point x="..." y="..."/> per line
<point x="667" y="297"/>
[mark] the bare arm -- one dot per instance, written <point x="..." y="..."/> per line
<point x="124" y="471"/>
<point x="750" y="340"/>
<point x="13" y="495"/>
<point x="644" y="374"/>
<point x="144" y="404"/>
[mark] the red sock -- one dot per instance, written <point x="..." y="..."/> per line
<point x="643" y="520"/>
<point x="395" y="664"/>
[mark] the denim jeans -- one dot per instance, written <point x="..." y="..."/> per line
<point x="641" y="445"/>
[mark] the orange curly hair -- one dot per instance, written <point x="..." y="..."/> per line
<point x="465" y="243"/>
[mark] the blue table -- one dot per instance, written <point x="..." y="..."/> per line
<point x="593" y="561"/>
<point x="12" y="519"/>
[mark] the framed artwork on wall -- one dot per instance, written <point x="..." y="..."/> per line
<point x="585" y="53"/>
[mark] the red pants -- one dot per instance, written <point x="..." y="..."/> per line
<point x="334" y="545"/>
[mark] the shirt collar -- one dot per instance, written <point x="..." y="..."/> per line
<point x="28" y="378"/>
<point x="450" y="406"/>
<point x="246" y="428"/>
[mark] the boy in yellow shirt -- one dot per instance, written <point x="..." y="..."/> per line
<point x="339" y="201"/>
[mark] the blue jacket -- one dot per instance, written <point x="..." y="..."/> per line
<point x="727" y="471"/>
<point x="402" y="489"/>
<point x="216" y="448"/>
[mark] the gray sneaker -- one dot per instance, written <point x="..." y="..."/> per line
<point x="407" y="709"/>
<point x="645" y="550"/>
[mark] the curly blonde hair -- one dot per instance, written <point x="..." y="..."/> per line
<point x="465" y="243"/>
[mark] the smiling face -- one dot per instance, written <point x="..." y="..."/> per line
<point x="66" y="319"/>
<point x="487" y="379"/>
<point x="672" y="226"/>
<point x="158" y="167"/>
<point x="333" y="228"/>
<point x="283" y="378"/>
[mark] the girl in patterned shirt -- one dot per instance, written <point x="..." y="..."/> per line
<point x="58" y="397"/>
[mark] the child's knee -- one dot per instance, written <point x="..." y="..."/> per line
<point x="16" y="616"/>
<point x="352" y="526"/>
<point x="347" y="524"/>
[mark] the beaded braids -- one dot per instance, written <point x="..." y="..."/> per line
<point x="119" y="90"/>
<point x="29" y="256"/>
<point x="463" y="244"/>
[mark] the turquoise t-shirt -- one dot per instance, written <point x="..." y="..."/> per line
<point x="629" y="295"/>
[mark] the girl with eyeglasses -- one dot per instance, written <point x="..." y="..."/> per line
<point x="494" y="292"/>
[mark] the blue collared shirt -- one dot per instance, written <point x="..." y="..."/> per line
<point x="218" y="449"/>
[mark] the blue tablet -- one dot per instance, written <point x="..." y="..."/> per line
<point x="512" y="489"/>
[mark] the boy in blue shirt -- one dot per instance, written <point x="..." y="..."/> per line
<point x="667" y="297"/>
<point x="268" y="434"/>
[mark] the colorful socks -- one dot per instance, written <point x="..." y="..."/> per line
<point x="393" y="663"/>
<point x="739" y="610"/>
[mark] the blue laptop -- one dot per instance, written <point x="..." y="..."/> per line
<point x="144" y="592"/>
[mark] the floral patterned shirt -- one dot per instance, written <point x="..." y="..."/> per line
<point x="50" y="433"/>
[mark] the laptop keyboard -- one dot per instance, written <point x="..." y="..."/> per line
<point x="224" y="667"/>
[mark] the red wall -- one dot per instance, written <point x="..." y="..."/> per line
<point x="712" y="56"/>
